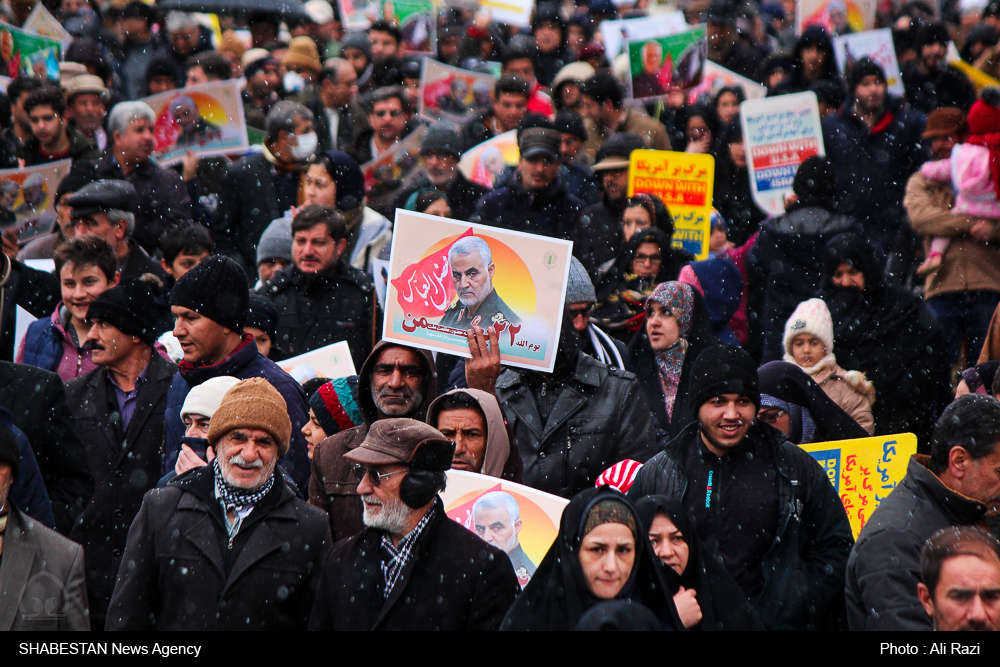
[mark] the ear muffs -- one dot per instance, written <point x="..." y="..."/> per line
<point x="426" y="477"/>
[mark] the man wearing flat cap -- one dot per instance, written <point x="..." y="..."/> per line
<point x="536" y="200"/>
<point x="106" y="208"/>
<point x="411" y="568"/>
<point x="117" y="410"/>
<point x="226" y="546"/>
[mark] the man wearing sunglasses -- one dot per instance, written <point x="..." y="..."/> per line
<point x="389" y="118"/>
<point x="411" y="568"/>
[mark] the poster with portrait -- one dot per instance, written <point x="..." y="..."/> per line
<point x="877" y="45"/>
<point x="416" y="20"/>
<point x="393" y="166"/>
<point x="447" y="276"/>
<point x="41" y="22"/>
<point x="330" y="361"/>
<point x="659" y="64"/>
<point x="684" y="182"/>
<point x="837" y="16"/>
<point x="616" y="32"/>
<point x="779" y="134"/>
<point x="484" y="163"/>
<point x="26" y="198"/>
<point x="25" y="54"/>
<point x="207" y="118"/>
<point x="520" y="520"/>
<point x="453" y="94"/>
<point x="359" y="14"/>
<point x="715" y="77"/>
<point x="865" y="470"/>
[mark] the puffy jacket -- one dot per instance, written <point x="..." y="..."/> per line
<point x="48" y="345"/>
<point x="550" y="212"/>
<point x="884" y="568"/>
<point x="804" y="568"/>
<point x="599" y="418"/>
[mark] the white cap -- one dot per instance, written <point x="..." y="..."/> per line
<point x="205" y="398"/>
<point x="319" y="11"/>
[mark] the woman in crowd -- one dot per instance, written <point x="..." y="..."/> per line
<point x="727" y="103"/>
<point x="600" y="554"/>
<point x="977" y="380"/>
<point x="708" y="598"/>
<point x="701" y="130"/>
<point x="731" y="195"/>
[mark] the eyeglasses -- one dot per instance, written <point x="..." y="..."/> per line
<point x="771" y="417"/>
<point x="395" y="113"/>
<point x="648" y="259"/>
<point x="375" y="476"/>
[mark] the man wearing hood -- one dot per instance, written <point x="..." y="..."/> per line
<point x="813" y="60"/>
<point x="472" y="418"/>
<point x="549" y="30"/>
<point x="930" y="82"/>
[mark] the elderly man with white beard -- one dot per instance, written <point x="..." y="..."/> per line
<point x="411" y="568"/>
<point x="226" y="546"/>
<point x="478" y="303"/>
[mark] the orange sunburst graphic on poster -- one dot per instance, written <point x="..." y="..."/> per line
<point x="511" y="280"/>
<point x="167" y="128"/>
<point x="538" y="531"/>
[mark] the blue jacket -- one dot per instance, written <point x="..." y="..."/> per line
<point x="245" y="362"/>
<point x="43" y="346"/>
<point x="28" y="490"/>
<point x="874" y="166"/>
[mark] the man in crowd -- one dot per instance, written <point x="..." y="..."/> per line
<point x="930" y="82"/>
<point x="207" y="66"/>
<point x="18" y="92"/>
<point x="510" y="103"/>
<point x="605" y="112"/>
<point x="260" y="69"/>
<point x="964" y="289"/>
<point x="724" y="44"/>
<point x="139" y="46"/>
<point x="86" y="108"/>
<point x="274" y="251"/>
<point x="476" y="299"/>
<point x="321" y="298"/>
<point x="521" y="58"/>
<point x="874" y="144"/>
<point x="117" y="410"/>
<point x="227" y="546"/>
<point x="781" y="519"/>
<point x="262" y="186"/>
<point x="105" y="208"/>
<point x="440" y="150"/>
<point x="385" y="38"/>
<point x="412" y="568"/>
<point x="960" y="580"/>
<point x="472" y="419"/>
<point x="339" y="117"/>
<point x="161" y="198"/>
<point x="536" y="200"/>
<point x="184" y="39"/>
<point x="36" y="563"/>
<point x="580" y="300"/>
<point x="52" y="137"/>
<point x="954" y="486"/>
<point x="210" y="306"/>
<point x="388" y="118"/>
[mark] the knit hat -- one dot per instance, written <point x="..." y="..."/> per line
<point x="216" y="288"/>
<point x="578" y="71"/>
<point x="359" y="41"/>
<point x="442" y="137"/>
<point x="946" y="121"/>
<point x="811" y="317"/>
<point x="204" y="399"/>
<point x="254" y="60"/>
<point x="335" y="405"/>
<point x="320" y="11"/>
<point x="579" y="289"/>
<point x="252" y="404"/>
<point x="568" y="122"/>
<point x="127" y="307"/>
<point x="863" y="67"/>
<point x="984" y="116"/>
<point x="349" y="178"/>
<point x="723" y="369"/>
<point x="231" y="43"/>
<point x="302" y="51"/>
<point x="276" y="241"/>
<point x="10" y="453"/>
<point x="815" y="183"/>
<point x="261" y="314"/>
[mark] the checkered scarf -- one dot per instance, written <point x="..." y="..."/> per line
<point x="394" y="558"/>
<point x="233" y="497"/>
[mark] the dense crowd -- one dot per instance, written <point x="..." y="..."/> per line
<point x="159" y="470"/>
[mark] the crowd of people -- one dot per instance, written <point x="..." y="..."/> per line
<point x="163" y="472"/>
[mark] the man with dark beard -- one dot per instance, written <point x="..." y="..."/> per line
<point x="412" y="568"/>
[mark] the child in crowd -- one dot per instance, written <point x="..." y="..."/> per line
<point x="809" y="344"/>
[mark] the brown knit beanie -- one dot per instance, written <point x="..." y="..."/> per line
<point x="256" y="405"/>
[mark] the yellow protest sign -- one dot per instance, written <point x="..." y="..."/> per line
<point x="684" y="182"/>
<point x="864" y="471"/>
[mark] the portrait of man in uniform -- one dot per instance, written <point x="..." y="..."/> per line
<point x="497" y="518"/>
<point x="478" y="303"/>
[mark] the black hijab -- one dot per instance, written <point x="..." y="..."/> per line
<point x="732" y="196"/>
<point x="790" y="383"/>
<point x="557" y="597"/>
<point x="723" y="604"/>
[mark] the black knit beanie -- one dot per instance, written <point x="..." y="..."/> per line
<point x="10" y="453"/>
<point x="864" y="66"/>
<point x="723" y="369"/>
<point x="217" y="289"/>
<point x="815" y="183"/>
<point x="127" y="306"/>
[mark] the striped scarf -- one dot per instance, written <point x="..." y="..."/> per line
<point x="233" y="497"/>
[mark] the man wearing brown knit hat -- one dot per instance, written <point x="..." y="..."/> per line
<point x="226" y="546"/>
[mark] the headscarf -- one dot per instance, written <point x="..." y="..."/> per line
<point x="678" y="299"/>
<point x="815" y="417"/>
<point x="800" y="422"/>
<point x="979" y="378"/>
<point x="722" y="602"/>
<point x="557" y="596"/>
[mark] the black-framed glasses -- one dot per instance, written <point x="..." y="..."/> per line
<point x="375" y="476"/>
<point x="770" y="417"/>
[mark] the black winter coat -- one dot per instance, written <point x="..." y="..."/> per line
<point x="124" y="466"/>
<point x="551" y="212"/>
<point x="804" y="568"/>
<point x="599" y="418"/>
<point x="181" y="572"/>
<point x="948" y="87"/>
<point x="453" y="581"/>
<point x="462" y="194"/>
<point x="884" y="568"/>
<point x="36" y="399"/>
<point x="319" y="309"/>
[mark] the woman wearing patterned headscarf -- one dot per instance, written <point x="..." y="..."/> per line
<point x="677" y="329"/>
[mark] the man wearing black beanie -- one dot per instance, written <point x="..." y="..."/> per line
<point x="761" y="503"/>
<point x="210" y="304"/>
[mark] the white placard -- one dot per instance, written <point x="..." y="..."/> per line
<point x="331" y="361"/>
<point x="877" y="45"/>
